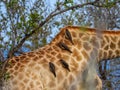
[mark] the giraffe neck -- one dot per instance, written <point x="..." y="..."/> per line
<point x="110" y="45"/>
<point x="66" y="57"/>
<point x="83" y="45"/>
<point x="87" y="42"/>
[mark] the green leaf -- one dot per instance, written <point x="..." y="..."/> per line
<point x="57" y="23"/>
<point x="22" y="18"/>
<point x="44" y="41"/>
<point x="1" y="45"/>
<point x="6" y="76"/>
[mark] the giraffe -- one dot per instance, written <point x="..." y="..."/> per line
<point x="63" y="64"/>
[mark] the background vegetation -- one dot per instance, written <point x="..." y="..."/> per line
<point x="26" y="25"/>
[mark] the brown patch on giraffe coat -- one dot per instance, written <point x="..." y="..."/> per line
<point x="41" y="56"/>
<point x="86" y="38"/>
<point x="12" y="61"/>
<point x="114" y="38"/>
<point x="107" y="38"/>
<point x="59" y="76"/>
<point x="95" y="41"/>
<point x="18" y="64"/>
<point x="17" y="59"/>
<point x="60" y="88"/>
<point x="38" y="52"/>
<point x="52" y="84"/>
<point x="31" y="55"/>
<point x="65" y="83"/>
<point x="14" y="82"/>
<point x="11" y="71"/>
<point x="20" y="76"/>
<point x="34" y="77"/>
<point x="106" y="47"/>
<point x="79" y="45"/>
<point x="78" y="57"/>
<point x="80" y="35"/>
<point x="22" y="86"/>
<point x="86" y="46"/>
<point x="42" y="61"/>
<point x="85" y="54"/>
<point x="75" y="53"/>
<point x="22" y="57"/>
<point x="83" y="66"/>
<point x="52" y="59"/>
<point x="21" y="69"/>
<point x="36" y="58"/>
<point x="45" y="65"/>
<point x="41" y="52"/>
<point x="71" y="78"/>
<point x="48" y="56"/>
<point x="15" y="88"/>
<point x="15" y="73"/>
<point x="110" y="53"/>
<point x="100" y="54"/>
<point x="74" y="66"/>
<point x="73" y="34"/>
<point x="38" y="83"/>
<point x="16" y="67"/>
<point x="24" y="62"/>
<point x="117" y="52"/>
<point x="105" y="55"/>
<point x="31" y="85"/>
<point x="56" y="48"/>
<point x="27" y="59"/>
<point x="65" y="57"/>
<point x="58" y="56"/>
<point x="49" y="49"/>
<point x="53" y="53"/>
<point x="37" y="68"/>
<point x="119" y="44"/>
<point x="103" y="43"/>
<point x="31" y="64"/>
<point x="112" y="45"/>
<point x="96" y="82"/>
<point x="25" y="80"/>
<point x="75" y="42"/>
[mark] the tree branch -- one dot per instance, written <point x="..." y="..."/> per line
<point x="50" y="16"/>
<point x="105" y="5"/>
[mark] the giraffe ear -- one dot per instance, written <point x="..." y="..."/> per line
<point x="68" y="36"/>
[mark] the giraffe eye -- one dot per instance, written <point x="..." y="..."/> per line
<point x="68" y="36"/>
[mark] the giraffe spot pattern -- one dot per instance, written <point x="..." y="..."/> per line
<point x="119" y="44"/>
<point x="85" y="54"/>
<point x="37" y="67"/>
<point x="112" y="45"/>
<point x="106" y="47"/>
<point x="86" y="46"/>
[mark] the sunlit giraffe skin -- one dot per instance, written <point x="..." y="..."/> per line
<point x="63" y="63"/>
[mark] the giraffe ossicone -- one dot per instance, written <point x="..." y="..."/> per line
<point x="64" y="64"/>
